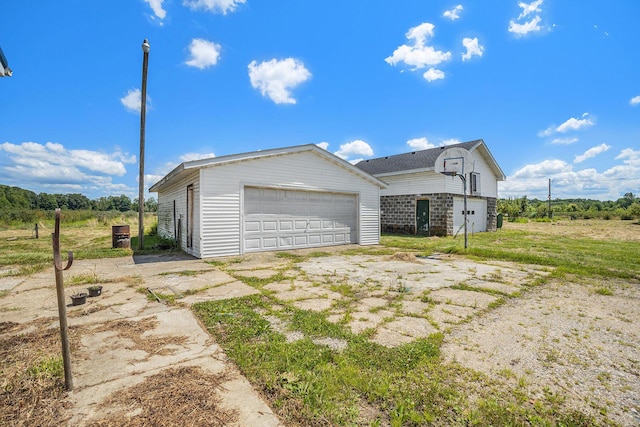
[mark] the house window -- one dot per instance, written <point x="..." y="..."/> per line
<point x="475" y="184"/>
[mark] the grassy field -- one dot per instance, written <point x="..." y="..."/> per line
<point x="23" y="254"/>
<point x="308" y="384"/>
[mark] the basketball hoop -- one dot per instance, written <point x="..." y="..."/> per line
<point x="456" y="161"/>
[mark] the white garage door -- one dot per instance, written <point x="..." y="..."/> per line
<point x="476" y="215"/>
<point x="292" y="219"/>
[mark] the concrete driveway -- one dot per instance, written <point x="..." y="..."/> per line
<point x="126" y="337"/>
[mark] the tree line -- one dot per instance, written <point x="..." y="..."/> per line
<point x="626" y="207"/>
<point x="15" y="202"/>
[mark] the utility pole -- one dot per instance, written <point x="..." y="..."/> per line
<point x="549" y="200"/>
<point x="143" y="112"/>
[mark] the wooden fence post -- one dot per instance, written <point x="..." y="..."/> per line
<point x="62" y="308"/>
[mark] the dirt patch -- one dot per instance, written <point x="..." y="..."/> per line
<point x="403" y="256"/>
<point x="562" y="339"/>
<point x="173" y="397"/>
<point x="31" y="390"/>
<point x="136" y="330"/>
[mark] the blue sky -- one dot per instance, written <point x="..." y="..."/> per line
<point x="553" y="87"/>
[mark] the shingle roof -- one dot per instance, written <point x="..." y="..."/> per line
<point x="423" y="159"/>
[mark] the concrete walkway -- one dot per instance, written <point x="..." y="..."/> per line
<point x="125" y="338"/>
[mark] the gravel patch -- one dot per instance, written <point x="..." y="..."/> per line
<point x="566" y="338"/>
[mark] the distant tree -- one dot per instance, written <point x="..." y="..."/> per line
<point x="122" y="203"/>
<point x="78" y="201"/>
<point x="18" y="198"/>
<point x="151" y="205"/>
<point x="47" y="202"/>
<point x="625" y="201"/>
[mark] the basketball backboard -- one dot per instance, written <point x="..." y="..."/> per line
<point x="454" y="161"/>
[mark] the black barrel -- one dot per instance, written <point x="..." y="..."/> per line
<point x="120" y="237"/>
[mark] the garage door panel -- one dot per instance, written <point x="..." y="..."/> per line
<point x="476" y="214"/>
<point x="314" y="239"/>
<point x="286" y="225"/>
<point x="284" y="219"/>
<point x="251" y="226"/>
<point x="252" y="244"/>
<point x="314" y="224"/>
<point x="269" y="225"/>
<point x="269" y="243"/>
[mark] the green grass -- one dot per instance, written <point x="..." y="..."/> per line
<point x="311" y="384"/>
<point x="23" y="254"/>
<point x="604" y="291"/>
<point x="50" y="367"/>
<point x="608" y="258"/>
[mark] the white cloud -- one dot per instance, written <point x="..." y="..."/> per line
<point x="132" y="101"/>
<point x="216" y="6"/>
<point x="635" y="100"/>
<point x="575" y="124"/>
<point x="567" y="182"/>
<point x="564" y="141"/>
<point x="420" y="143"/>
<point x="525" y="28"/>
<point x="323" y="145"/>
<point x="432" y="74"/>
<point x="276" y="79"/>
<point x="542" y="169"/>
<point x="521" y="26"/>
<point x="530" y="8"/>
<point x="454" y="13"/>
<point x="418" y="54"/>
<point x="632" y="157"/>
<point x="591" y="152"/>
<point x="53" y="156"/>
<point x="203" y="53"/>
<point x="55" y="168"/>
<point x="357" y="148"/>
<point x="156" y="6"/>
<point x="450" y="141"/>
<point x="572" y="124"/>
<point x="196" y="156"/>
<point x="163" y="170"/>
<point x="473" y="48"/>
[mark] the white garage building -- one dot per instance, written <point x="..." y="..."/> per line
<point x="279" y="199"/>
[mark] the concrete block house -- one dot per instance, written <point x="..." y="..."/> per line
<point x="418" y="200"/>
<point x="278" y="199"/>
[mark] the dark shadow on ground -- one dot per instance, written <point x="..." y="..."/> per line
<point x="151" y="258"/>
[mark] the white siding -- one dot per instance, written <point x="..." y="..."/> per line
<point x="429" y="182"/>
<point x="223" y="186"/>
<point x="413" y="183"/>
<point x="178" y="192"/>
<point x="488" y="181"/>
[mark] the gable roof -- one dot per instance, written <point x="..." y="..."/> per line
<point x="186" y="168"/>
<point x="424" y="160"/>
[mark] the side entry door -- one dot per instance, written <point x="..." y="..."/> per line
<point x="422" y="217"/>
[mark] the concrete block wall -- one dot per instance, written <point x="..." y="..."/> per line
<point x="398" y="213"/>
<point x="492" y="214"/>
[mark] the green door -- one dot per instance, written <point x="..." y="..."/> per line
<point x="422" y="217"/>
